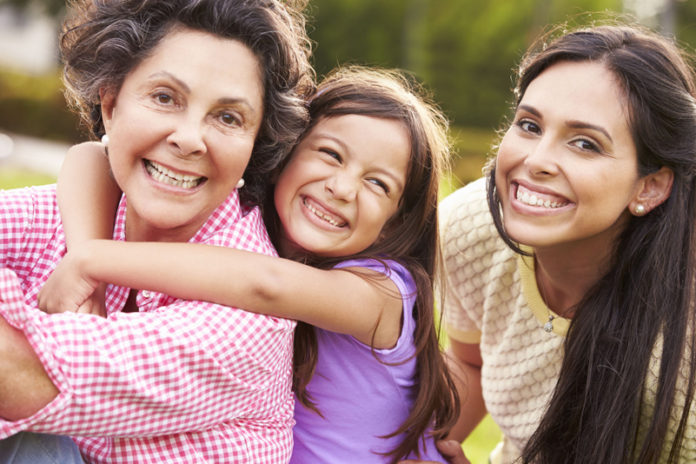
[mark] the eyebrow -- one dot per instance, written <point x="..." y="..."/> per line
<point x="575" y="124"/>
<point x="223" y="101"/>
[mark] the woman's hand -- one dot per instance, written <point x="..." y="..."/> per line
<point x="70" y="289"/>
<point x="451" y="450"/>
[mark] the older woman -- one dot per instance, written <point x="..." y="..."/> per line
<point x="192" y="94"/>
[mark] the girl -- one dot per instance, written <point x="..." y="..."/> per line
<point x="571" y="275"/>
<point x="357" y="201"/>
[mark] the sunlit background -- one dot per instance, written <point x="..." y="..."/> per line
<point x="463" y="51"/>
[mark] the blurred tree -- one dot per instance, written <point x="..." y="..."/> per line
<point x="463" y="50"/>
<point x="54" y="8"/>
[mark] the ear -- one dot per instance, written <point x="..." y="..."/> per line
<point x="652" y="191"/>
<point x="107" y="99"/>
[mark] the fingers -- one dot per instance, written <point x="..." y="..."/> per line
<point x="452" y="451"/>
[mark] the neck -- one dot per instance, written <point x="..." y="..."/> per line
<point x="564" y="278"/>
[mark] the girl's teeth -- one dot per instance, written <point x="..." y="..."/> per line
<point x="321" y="215"/>
<point x="167" y="176"/>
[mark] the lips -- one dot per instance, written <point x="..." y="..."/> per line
<point x="322" y="213"/>
<point x="176" y="179"/>
<point x="539" y="199"/>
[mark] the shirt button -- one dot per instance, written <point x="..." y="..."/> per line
<point x="146" y="294"/>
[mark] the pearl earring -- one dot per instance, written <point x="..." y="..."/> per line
<point x="640" y="209"/>
<point x="240" y="183"/>
<point x="105" y="142"/>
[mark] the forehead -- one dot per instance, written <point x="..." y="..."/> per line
<point x="207" y="62"/>
<point x="586" y="91"/>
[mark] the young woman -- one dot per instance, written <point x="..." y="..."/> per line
<point x="571" y="274"/>
<point x="160" y="379"/>
<point x="356" y="200"/>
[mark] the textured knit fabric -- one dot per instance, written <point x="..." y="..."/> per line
<point x="493" y="299"/>
<point x="178" y="381"/>
<point x="360" y="397"/>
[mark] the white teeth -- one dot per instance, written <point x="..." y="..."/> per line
<point x="167" y="176"/>
<point x="533" y="200"/>
<point x="321" y="215"/>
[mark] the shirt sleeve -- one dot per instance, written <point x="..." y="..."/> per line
<point x="466" y="230"/>
<point x="183" y="367"/>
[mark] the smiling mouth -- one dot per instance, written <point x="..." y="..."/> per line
<point x="169" y="177"/>
<point x="324" y="215"/>
<point x="539" y="200"/>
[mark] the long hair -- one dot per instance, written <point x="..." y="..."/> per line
<point x="410" y="237"/>
<point x="595" y="409"/>
<point x="103" y="40"/>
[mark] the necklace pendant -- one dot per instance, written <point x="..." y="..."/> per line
<point x="548" y="327"/>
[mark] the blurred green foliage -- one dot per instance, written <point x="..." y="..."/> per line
<point x="34" y="105"/>
<point x="16" y="178"/>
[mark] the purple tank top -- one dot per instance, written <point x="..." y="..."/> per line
<point x="359" y="397"/>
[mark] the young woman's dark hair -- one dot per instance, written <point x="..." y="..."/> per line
<point x="99" y="52"/>
<point x="411" y="237"/>
<point x="646" y="299"/>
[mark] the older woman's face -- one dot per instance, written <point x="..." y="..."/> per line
<point x="181" y="130"/>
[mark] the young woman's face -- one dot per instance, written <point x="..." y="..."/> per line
<point x="181" y="130"/>
<point x="567" y="168"/>
<point x="342" y="184"/>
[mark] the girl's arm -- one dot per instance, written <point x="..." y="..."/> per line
<point x="357" y="303"/>
<point x="87" y="199"/>
<point x="87" y="194"/>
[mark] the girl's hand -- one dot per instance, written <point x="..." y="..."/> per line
<point x="70" y="289"/>
<point x="451" y="450"/>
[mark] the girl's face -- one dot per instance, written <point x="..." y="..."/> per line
<point x="342" y="184"/>
<point x="181" y="130"/>
<point x="567" y="168"/>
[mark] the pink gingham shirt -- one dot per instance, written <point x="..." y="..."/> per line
<point x="178" y="382"/>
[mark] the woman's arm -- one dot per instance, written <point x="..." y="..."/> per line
<point x="25" y="387"/>
<point x="355" y="303"/>
<point x="465" y="363"/>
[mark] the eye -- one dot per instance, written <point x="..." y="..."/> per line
<point x="163" y="98"/>
<point x="586" y="145"/>
<point x="229" y="119"/>
<point x="379" y="184"/>
<point x="528" y="126"/>
<point x="331" y="153"/>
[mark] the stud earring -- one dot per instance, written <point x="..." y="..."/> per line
<point x="240" y="183"/>
<point x="640" y="209"/>
<point x="105" y="142"/>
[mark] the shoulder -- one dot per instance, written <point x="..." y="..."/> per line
<point x="33" y="206"/>
<point x="233" y="226"/>
<point x="467" y="230"/>
<point x="391" y="269"/>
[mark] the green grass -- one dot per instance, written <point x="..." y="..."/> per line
<point x="15" y="178"/>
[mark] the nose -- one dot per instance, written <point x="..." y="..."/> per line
<point x="542" y="159"/>
<point x="187" y="136"/>
<point x="342" y="186"/>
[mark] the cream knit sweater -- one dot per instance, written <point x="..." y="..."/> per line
<point x="492" y="299"/>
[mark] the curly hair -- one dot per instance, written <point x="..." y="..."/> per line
<point x="103" y="40"/>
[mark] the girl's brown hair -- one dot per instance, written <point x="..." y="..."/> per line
<point x="410" y="237"/>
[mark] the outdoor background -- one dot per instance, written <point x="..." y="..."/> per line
<point x="463" y="51"/>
